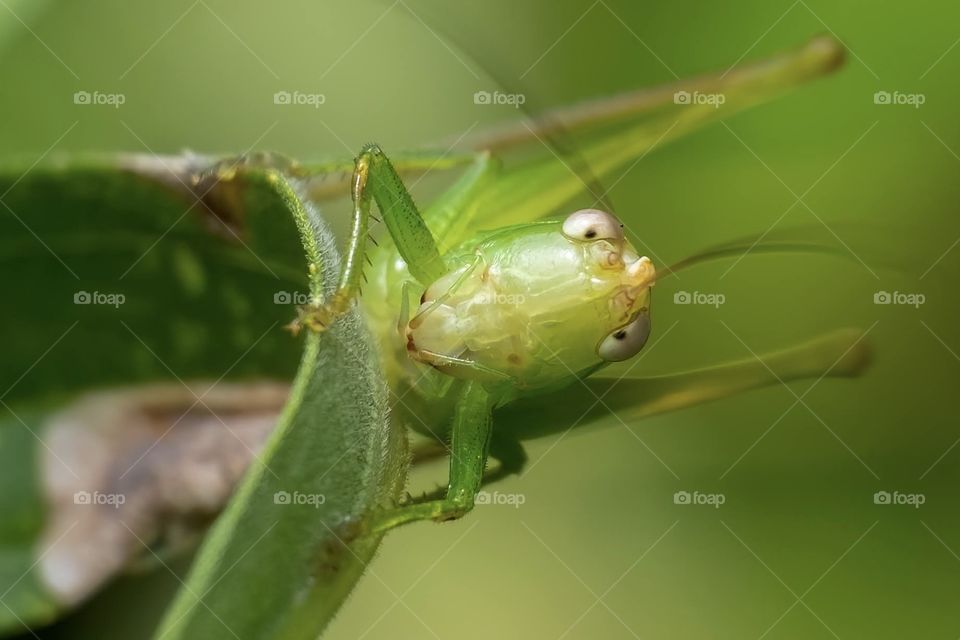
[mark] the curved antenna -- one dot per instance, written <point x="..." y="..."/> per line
<point x="742" y="247"/>
<point x="803" y="239"/>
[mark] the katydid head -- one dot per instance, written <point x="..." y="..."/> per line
<point x="605" y="233"/>
<point x="537" y="304"/>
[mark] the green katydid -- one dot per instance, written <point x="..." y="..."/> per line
<point x="485" y="313"/>
<point x="514" y="312"/>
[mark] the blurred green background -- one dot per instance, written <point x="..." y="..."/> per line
<point x="599" y="549"/>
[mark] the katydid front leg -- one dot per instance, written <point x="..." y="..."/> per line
<point x="469" y="447"/>
<point x="374" y="178"/>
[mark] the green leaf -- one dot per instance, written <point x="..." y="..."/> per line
<point x="199" y="255"/>
<point x="334" y="442"/>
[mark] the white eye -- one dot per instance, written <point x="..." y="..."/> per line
<point x="627" y="341"/>
<point x="593" y="224"/>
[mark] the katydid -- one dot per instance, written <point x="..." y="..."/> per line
<point x="490" y="315"/>
<point x="491" y="320"/>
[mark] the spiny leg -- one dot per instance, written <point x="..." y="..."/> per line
<point x="469" y="447"/>
<point x="374" y="178"/>
<point x="452" y="212"/>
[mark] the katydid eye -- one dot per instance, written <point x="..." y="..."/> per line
<point x="627" y="341"/>
<point x="593" y="224"/>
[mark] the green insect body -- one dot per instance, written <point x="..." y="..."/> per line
<point x="508" y="313"/>
<point x="505" y="313"/>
